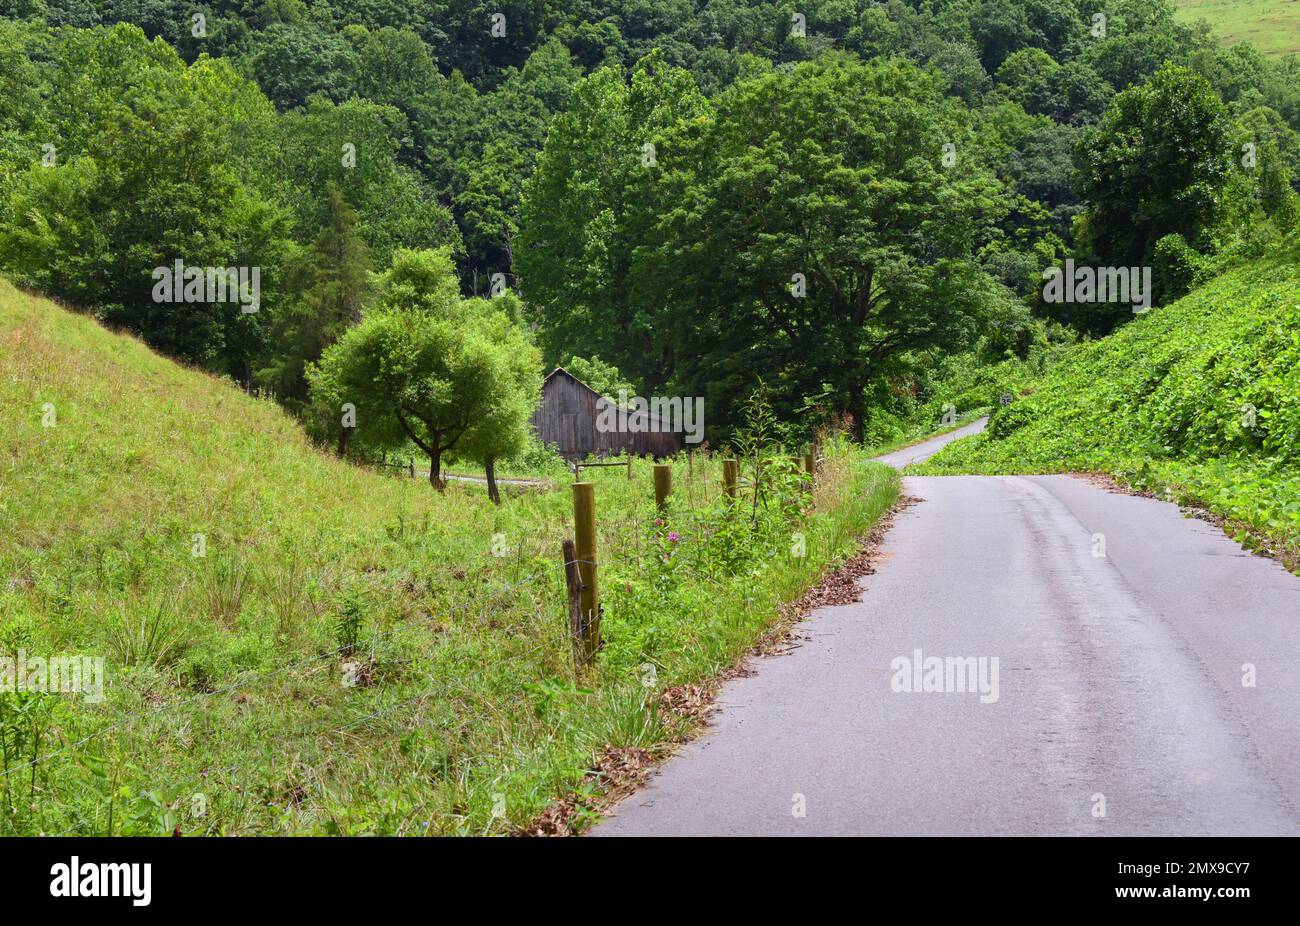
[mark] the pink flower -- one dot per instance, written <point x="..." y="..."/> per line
<point x="673" y="536"/>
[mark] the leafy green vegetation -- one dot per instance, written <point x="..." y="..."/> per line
<point x="825" y="222"/>
<point x="1199" y="400"/>
<point x="938" y="392"/>
<point x="833" y="170"/>
<point x="294" y="644"/>
<point x="699" y="195"/>
<point x="425" y="366"/>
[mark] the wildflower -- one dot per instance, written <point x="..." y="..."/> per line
<point x="673" y="536"/>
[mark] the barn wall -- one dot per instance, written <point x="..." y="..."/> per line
<point x="567" y="419"/>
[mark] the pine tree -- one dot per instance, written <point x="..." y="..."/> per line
<point x="328" y="286"/>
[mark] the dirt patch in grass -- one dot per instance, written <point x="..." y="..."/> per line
<point x="618" y="773"/>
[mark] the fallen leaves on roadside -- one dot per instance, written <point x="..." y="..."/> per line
<point x="618" y="773"/>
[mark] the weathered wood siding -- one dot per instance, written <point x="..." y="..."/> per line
<point x="567" y="419"/>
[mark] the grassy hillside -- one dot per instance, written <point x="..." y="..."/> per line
<point x="1199" y="399"/>
<point x="352" y="653"/>
<point x="1272" y="26"/>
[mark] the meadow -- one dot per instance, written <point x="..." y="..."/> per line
<point x="1272" y="26"/>
<point x="294" y="644"/>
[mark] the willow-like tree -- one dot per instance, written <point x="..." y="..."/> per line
<point x="502" y="430"/>
<point x="426" y="367"/>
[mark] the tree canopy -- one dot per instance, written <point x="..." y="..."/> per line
<point x="448" y="375"/>
<point x="697" y="194"/>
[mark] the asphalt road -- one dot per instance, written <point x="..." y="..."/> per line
<point x="1121" y="630"/>
<point x="926" y="449"/>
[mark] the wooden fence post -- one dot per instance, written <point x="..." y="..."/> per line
<point x="573" y="592"/>
<point x="730" y="472"/>
<point x="810" y="461"/>
<point x="584" y="528"/>
<point x="663" y="484"/>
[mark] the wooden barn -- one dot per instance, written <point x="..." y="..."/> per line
<point x="567" y="419"/>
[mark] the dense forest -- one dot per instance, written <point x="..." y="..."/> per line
<point x="846" y="199"/>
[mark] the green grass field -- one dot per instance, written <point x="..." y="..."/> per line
<point x="1272" y="26"/>
<point x="352" y="652"/>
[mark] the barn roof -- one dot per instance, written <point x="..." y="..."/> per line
<point x="568" y="374"/>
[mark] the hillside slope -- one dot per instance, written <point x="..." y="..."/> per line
<point x="184" y="452"/>
<point x="1272" y="26"/>
<point x="191" y="536"/>
<point x="1200" y="399"/>
<point x="293" y="644"/>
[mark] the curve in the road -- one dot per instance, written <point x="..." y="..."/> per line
<point x="1148" y="682"/>
<point x="919" y="453"/>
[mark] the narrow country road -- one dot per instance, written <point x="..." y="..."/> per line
<point x="1148" y="682"/>
<point x="926" y="449"/>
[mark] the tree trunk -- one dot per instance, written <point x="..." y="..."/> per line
<point x="490" y="467"/>
<point x="435" y="470"/>
<point x="857" y="406"/>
